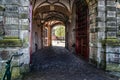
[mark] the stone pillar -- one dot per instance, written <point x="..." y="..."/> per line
<point x="49" y="36"/>
<point x="41" y="29"/>
<point x="66" y="34"/>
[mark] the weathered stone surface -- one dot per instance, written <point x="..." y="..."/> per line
<point x="4" y="55"/>
<point x="56" y="63"/>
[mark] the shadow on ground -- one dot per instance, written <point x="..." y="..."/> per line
<point x="57" y="63"/>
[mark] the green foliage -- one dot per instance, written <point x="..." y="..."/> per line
<point x="60" y="31"/>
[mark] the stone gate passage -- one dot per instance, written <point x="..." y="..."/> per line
<point x="57" y="63"/>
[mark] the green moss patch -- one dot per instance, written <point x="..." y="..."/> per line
<point x="113" y="67"/>
<point x="10" y="37"/>
<point x="15" y="73"/>
<point x="111" y="42"/>
<point x="10" y="42"/>
<point x="1" y="8"/>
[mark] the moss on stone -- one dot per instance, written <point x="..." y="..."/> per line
<point x="2" y="8"/>
<point x="24" y="69"/>
<point x="10" y="37"/>
<point x="111" y="42"/>
<point x="15" y="73"/>
<point x="113" y="67"/>
<point x="10" y="43"/>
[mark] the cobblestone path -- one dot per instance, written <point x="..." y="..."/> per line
<point x="57" y="63"/>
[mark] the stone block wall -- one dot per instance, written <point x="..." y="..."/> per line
<point x="15" y="24"/>
<point x="104" y="38"/>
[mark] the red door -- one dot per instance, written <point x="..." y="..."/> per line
<point x="82" y="36"/>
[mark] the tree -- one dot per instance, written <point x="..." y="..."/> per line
<point x="60" y="31"/>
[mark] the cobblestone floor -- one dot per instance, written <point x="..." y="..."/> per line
<point x="56" y="63"/>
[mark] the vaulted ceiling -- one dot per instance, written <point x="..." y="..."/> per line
<point x="53" y="9"/>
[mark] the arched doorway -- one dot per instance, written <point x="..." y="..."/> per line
<point x="49" y="31"/>
<point x="58" y="35"/>
<point x="47" y="13"/>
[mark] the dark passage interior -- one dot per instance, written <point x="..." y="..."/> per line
<point x="72" y="14"/>
<point x="57" y="63"/>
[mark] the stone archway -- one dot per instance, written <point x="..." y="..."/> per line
<point x="74" y="14"/>
<point x="47" y="14"/>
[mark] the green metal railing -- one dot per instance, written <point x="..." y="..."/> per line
<point x="8" y="72"/>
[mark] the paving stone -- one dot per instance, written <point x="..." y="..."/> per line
<point x="57" y="63"/>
